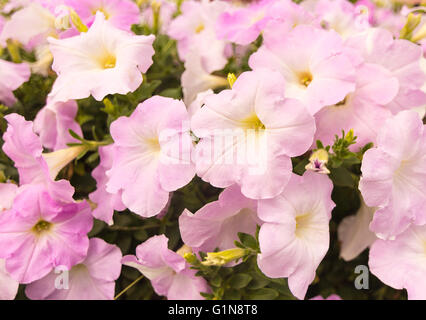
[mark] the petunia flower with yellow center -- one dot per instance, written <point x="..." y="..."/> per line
<point x="104" y="60"/>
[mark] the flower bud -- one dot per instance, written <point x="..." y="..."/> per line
<point x="57" y="160"/>
<point x="223" y="257"/>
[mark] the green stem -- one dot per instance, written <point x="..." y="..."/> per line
<point x="128" y="287"/>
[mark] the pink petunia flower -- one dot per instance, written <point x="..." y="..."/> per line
<point x="53" y="123"/>
<point x="294" y="237"/>
<point x="12" y="76"/>
<point x="401" y="58"/>
<point x="342" y="16"/>
<point x="152" y="155"/>
<point x="30" y="25"/>
<point x="121" y="14"/>
<point x="105" y="60"/>
<point x="92" y="279"/>
<point x="105" y="201"/>
<point x="39" y="233"/>
<point x="394" y="175"/>
<point x="243" y="25"/>
<point x="363" y="110"/>
<point x="401" y="263"/>
<point x="23" y="146"/>
<point x="284" y="16"/>
<point x="217" y="223"/>
<point x="249" y="133"/>
<point x="317" y="69"/>
<point x="195" y="30"/>
<point x="169" y="273"/>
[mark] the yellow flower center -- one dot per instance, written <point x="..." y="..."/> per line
<point x="305" y="78"/>
<point x="199" y="28"/>
<point x="302" y="222"/>
<point x="41" y="227"/>
<point x="153" y="144"/>
<point x="108" y="61"/>
<point x="253" y="122"/>
<point x="106" y="14"/>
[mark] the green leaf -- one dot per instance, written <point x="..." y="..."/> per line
<point x="93" y="157"/>
<point x="240" y="280"/>
<point x="216" y="281"/>
<point x="80" y="169"/>
<point x="175" y="93"/>
<point x="239" y="244"/>
<point x="352" y="160"/>
<point x="208" y="296"/>
<point x="124" y="242"/>
<point x="218" y="292"/>
<point x="83" y="118"/>
<point x="248" y="240"/>
<point x="98" y="226"/>
<point x="140" y="235"/>
<point x="282" y="288"/>
<point x="300" y="167"/>
<point x="232" y="294"/>
<point x="75" y="135"/>
<point x="263" y="294"/>
<point x="145" y="91"/>
<point x="257" y="283"/>
<point x="336" y="163"/>
<point x="366" y="147"/>
<point x="109" y="108"/>
<point x="341" y="177"/>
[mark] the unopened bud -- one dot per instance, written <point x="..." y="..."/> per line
<point x="57" y="160"/>
<point x="190" y="258"/>
<point x="412" y="22"/>
<point x="223" y="257"/>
